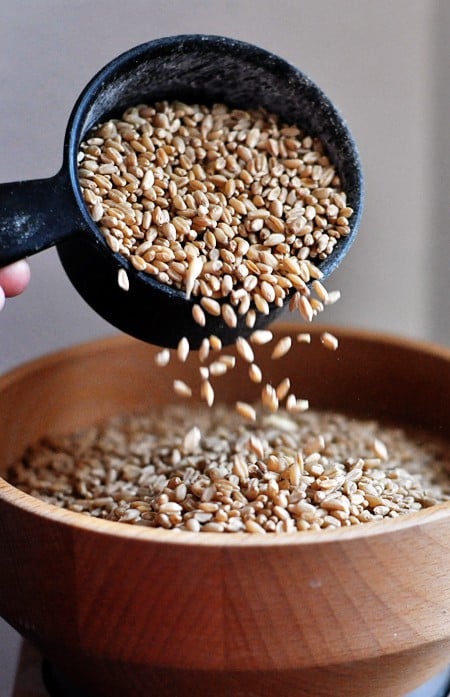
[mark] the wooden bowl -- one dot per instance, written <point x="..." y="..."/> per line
<point x="128" y="610"/>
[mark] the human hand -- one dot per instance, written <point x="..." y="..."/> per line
<point x="13" y="280"/>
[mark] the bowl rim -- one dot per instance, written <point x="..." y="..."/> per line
<point x="32" y="505"/>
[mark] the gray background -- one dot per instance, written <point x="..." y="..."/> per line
<point x="384" y="64"/>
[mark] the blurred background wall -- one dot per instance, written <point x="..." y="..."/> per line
<point x="384" y="64"/>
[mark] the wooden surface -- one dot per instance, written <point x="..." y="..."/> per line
<point x="28" y="682"/>
<point x="361" y="612"/>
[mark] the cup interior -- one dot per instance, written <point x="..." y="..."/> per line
<point x="208" y="69"/>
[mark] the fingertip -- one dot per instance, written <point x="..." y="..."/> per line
<point x="14" y="278"/>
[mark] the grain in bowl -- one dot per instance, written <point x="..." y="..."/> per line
<point x="377" y="567"/>
<point x="212" y="472"/>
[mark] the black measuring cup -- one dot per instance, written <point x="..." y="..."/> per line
<point x="35" y="215"/>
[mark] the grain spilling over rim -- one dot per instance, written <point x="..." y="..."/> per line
<point x="269" y="473"/>
<point x="198" y="315"/>
<point x="123" y="280"/>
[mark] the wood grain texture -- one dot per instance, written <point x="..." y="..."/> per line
<point x="361" y="612"/>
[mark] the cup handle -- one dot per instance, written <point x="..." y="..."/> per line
<point x="35" y="215"/>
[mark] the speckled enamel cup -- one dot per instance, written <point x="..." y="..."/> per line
<point x="195" y="68"/>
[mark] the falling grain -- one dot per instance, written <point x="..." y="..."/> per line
<point x="244" y="349"/>
<point x="183" y="349"/>
<point x="282" y="347"/>
<point x="255" y="373"/>
<point x="261" y="336"/>
<point x="123" y="280"/>
<point x="329" y="341"/>
<point x="162" y="358"/>
<point x="207" y="392"/>
<point x="246" y="411"/>
<point x="182" y="389"/>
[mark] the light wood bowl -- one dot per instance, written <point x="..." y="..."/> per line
<point x="360" y="612"/>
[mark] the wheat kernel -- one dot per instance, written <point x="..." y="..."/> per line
<point x="246" y="411"/>
<point x="198" y="315"/>
<point x="162" y="358"/>
<point x="329" y="341"/>
<point x="282" y="389"/>
<point x="282" y="347"/>
<point x="183" y="349"/>
<point x="261" y="336"/>
<point x="207" y="392"/>
<point x="254" y="373"/>
<point x="181" y="388"/>
<point x="123" y="280"/>
<point x="244" y="349"/>
<point x="229" y="316"/>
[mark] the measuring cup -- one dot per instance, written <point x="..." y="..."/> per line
<point x="35" y="215"/>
